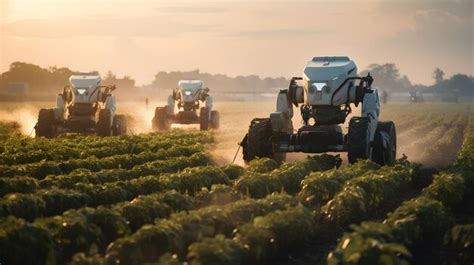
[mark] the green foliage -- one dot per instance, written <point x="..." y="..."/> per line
<point x="276" y="232"/>
<point x="261" y="165"/>
<point x="319" y="187"/>
<point x="18" y="184"/>
<point x="459" y="242"/>
<point x="286" y="178"/>
<point x="446" y="188"/>
<point x="181" y="229"/>
<point x="370" y="243"/>
<point x="233" y="171"/>
<point x="215" y="251"/>
<point x="363" y="195"/>
<point x="419" y="221"/>
<point x="24" y="243"/>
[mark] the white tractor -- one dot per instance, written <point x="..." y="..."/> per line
<point x="328" y="87"/>
<point x="85" y="106"/>
<point x="187" y="96"/>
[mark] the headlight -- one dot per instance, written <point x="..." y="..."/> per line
<point x="187" y="93"/>
<point x="316" y="87"/>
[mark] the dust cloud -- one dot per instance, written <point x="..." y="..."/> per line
<point x="416" y="137"/>
<point x="26" y="117"/>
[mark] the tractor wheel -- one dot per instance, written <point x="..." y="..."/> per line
<point x="204" y="119"/>
<point x="160" y="122"/>
<point x="388" y="154"/>
<point x="119" y="125"/>
<point x="256" y="142"/>
<point x="358" y="139"/>
<point x="104" y="124"/>
<point x="46" y="124"/>
<point x="215" y="119"/>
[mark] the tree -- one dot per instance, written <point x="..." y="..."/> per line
<point x="438" y="75"/>
<point x="387" y="77"/>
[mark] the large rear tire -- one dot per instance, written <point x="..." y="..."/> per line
<point x="385" y="155"/>
<point x="104" y="124"/>
<point x="215" y="119"/>
<point x="358" y="139"/>
<point x="119" y="125"/>
<point x="204" y="121"/>
<point x="46" y="124"/>
<point x="256" y="142"/>
<point x="161" y="121"/>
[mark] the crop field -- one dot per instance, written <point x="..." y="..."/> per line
<point x="177" y="198"/>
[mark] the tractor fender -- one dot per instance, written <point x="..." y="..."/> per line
<point x="111" y="105"/>
<point x="371" y="110"/>
<point x="170" y="105"/>
<point x="209" y="102"/>
<point x="281" y="118"/>
<point x="59" y="110"/>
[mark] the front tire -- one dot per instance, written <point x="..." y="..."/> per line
<point x="204" y="119"/>
<point x="104" y="124"/>
<point x="215" y="119"/>
<point x="161" y="121"/>
<point x="256" y="142"/>
<point x="358" y="139"/>
<point x="46" y="124"/>
<point x="385" y="155"/>
<point x="119" y="125"/>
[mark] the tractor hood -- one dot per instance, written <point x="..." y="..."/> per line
<point x="190" y="89"/>
<point x="324" y="69"/>
<point x="323" y="75"/>
<point x="83" y="85"/>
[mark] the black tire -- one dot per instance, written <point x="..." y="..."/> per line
<point x="46" y="126"/>
<point x="204" y="121"/>
<point x="119" y="125"/>
<point x="381" y="155"/>
<point x="256" y="142"/>
<point x="358" y="139"/>
<point x="215" y="119"/>
<point x="104" y="124"/>
<point x="161" y="121"/>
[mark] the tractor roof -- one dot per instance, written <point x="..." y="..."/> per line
<point x="327" y="68"/>
<point x="85" y="80"/>
<point x="190" y="84"/>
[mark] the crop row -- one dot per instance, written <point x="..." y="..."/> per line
<point x="224" y="220"/>
<point x="21" y="184"/>
<point x="79" y="230"/>
<point x="256" y="237"/>
<point x="55" y="239"/>
<point x="285" y="178"/>
<point x="272" y="235"/>
<point x="176" y="233"/>
<point x="44" y="168"/>
<point x="23" y="150"/>
<point x="418" y="222"/>
<point x="55" y="201"/>
<point x="443" y="149"/>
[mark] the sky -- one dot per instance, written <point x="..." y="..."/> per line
<point x="267" y="38"/>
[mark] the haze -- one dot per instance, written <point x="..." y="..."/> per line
<point x="140" y="38"/>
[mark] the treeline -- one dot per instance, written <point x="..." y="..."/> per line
<point x="388" y="78"/>
<point x="28" y="81"/>
<point x="220" y="82"/>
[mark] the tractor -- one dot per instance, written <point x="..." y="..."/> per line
<point x="84" y="106"/>
<point x="324" y="95"/>
<point x="416" y="96"/>
<point x="188" y="96"/>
